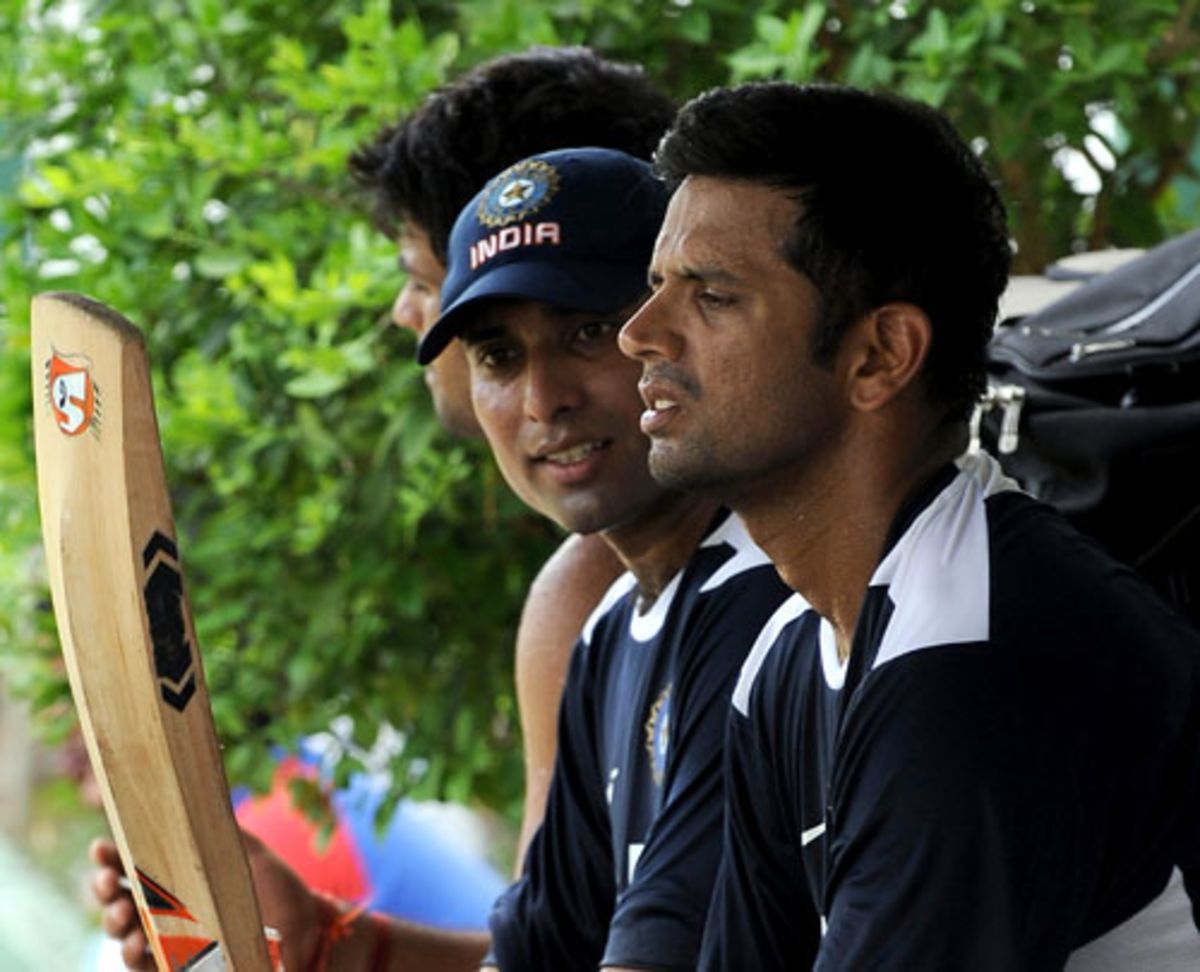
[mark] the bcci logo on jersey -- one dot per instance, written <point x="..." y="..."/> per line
<point x="658" y="734"/>
<point x="517" y="192"/>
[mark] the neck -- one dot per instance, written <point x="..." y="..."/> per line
<point x="656" y="545"/>
<point x="825" y="527"/>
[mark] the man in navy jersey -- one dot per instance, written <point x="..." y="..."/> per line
<point x="545" y="265"/>
<point x="970" y="740"/>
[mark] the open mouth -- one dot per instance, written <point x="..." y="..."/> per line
<point x="657" y="393"/>
<point x="658" y="414"/>
<point x="576" y="453"/>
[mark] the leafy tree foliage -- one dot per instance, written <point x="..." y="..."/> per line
<point x="1087" y="110"/>
<point x="184" y="161"/>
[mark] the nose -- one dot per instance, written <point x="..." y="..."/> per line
<point x="407" y="311"/>
<point x="648" y="333"/>
<point x="552" y="388"/>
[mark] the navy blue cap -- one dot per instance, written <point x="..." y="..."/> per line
<point x="574" y="228"/>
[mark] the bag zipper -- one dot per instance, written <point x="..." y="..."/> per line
<point x="1011" y="400"/>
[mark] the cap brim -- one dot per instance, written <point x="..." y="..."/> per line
<point x="594" y="286"/>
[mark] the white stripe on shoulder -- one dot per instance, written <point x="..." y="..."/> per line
<point x="746" y="553"/>
<point x="938" y="574"/>
<point x="617" y="590"/>
<point x="787" y="612"/>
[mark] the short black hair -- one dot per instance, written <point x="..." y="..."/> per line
<point x="894" y="206"/>
<point x="426" y="167"/>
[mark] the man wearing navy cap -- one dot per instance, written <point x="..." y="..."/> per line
<point x="545" y="265"/>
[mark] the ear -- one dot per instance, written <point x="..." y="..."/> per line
<point x="889" y="349"/>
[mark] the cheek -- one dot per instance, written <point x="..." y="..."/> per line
<point x="619" y="389"/>
<point x="730" y="384"/>
<point x="431" y="308"/>
<point x="453" y="373"/>
<point x="488" y="402"/>
<point x="420" y="318"/>
<point x="745" y="378"/>
<point x="500" y="421"/>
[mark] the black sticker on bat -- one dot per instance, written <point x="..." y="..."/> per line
<point x="159" y="900"/>
<point x="173" y="661"/>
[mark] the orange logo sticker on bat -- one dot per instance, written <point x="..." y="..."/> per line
<point x="73" y="397"/>
<point x="181" y="941"/>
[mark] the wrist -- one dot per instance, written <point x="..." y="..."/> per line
<point x="335" y="921"/>
<point x="381" y="942"/>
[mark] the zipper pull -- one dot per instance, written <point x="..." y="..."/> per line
<point x="1012" y="400"/>
<point x="1085" y="349"/>
<point x="983" y="405"/>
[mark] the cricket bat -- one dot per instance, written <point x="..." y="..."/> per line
<point x="128" y="641"/>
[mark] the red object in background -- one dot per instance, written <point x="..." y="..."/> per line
<point x="419" y="864"/>
<point x="332" y="864"/>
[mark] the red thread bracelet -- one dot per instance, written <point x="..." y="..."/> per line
<point x="335" y="930"/>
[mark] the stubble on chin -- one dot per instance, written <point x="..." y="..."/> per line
<point x="681" y="468"/>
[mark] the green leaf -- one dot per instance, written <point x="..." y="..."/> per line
<point x="219" y="264"/>
<point x="1119" y="57"/>
<point x="316" y="384"/>
<point x="695" y="25"/>
<point x="1007" y="56"/>
<point x="869" y="68"/>
<point x="935" y="40"/>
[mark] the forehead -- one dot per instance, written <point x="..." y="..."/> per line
<point x="733" y="222"/>
<point x="417" y="252"/>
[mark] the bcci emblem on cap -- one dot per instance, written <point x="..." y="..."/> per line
<point x="518" y="191"/>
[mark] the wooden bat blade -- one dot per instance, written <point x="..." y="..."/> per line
<point x="128" y="640"/>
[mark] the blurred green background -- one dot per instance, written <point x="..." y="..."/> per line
<point x="184" y="161"/>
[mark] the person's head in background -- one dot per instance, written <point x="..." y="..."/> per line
<point x="422" y="170"/>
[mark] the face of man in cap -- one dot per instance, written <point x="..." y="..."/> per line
<point x="559" y="406"/>
<point x="546" y="264"/>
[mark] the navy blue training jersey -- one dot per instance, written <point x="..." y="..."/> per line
<point x="621" y="871"/>
<point x="1005" y="775"/>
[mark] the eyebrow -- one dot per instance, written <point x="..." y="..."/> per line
<point x="701" y="274"/>
<point x="480" y="330"/>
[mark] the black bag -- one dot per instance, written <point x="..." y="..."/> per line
<point x="1093" y="405"/>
